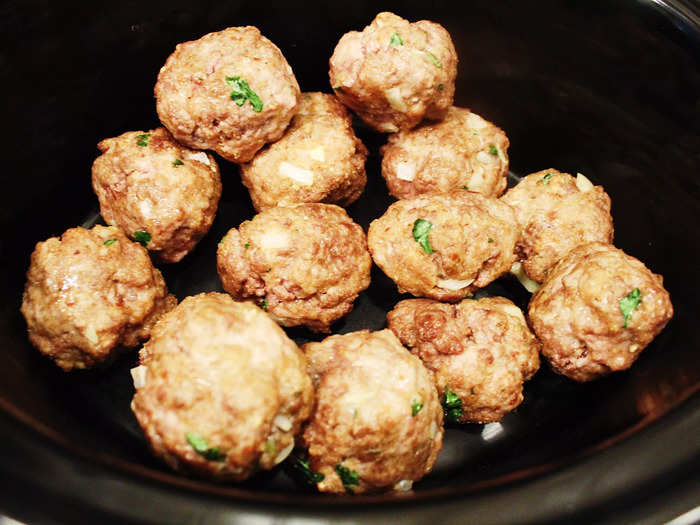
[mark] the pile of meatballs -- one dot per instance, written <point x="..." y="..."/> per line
<point x="221" y="391"/>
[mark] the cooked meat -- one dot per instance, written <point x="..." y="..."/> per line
<point x="304" y="264"/>
<point x="159" y="192"/>
<point x="221" y="391"/>
<point x="90" y="292"/>
<point x="378" y="421"/>
<point x="463" y="151"/>
<point x="318" y="159"/>
<point x="395" y="73"/>
<point x="597" y="310"/>
<point x="231" y="91"/>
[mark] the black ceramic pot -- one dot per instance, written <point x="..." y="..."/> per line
<point x="606" y="88"/>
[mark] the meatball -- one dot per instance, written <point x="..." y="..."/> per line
<point x="556" y="213"/>
<point x="305" y="264"/>
<point x="160" y="193"/>
<point x="221" y="391"/>
<point x="480" y="353"/>
<point x="395" y="73"/>
<point x="597" y="310"/>
<point x="319" y="159"/>
<point x="90" y="292"/>
<point x="444" y="246"/>
<point x="463" y="151"/>
<point x="230" y="91"/>
<point x="378" y="421"/>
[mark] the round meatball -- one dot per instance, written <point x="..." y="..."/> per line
<point x="556" y="213"/>
<point x="221" y="391"/>
<point x="597" y="310"/>
<point x="305" y="264"/>
<point x="463" y="151"/>
<point x="230" y="91"/>
<point x="90" y="292"/>
<point x="160" y="193"/>
<point x="378" y="421"/>
<point x="444" y="246"/>
<point x="319" y="159"/>
<point x="395" y="73"/>
<point x="480" y="353"/>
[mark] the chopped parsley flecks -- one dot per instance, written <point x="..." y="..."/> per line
<point x="493" y="150"/>
<point x="347" y="476"/>
<point x="629" y="304"/>
<point x="142" y="237"/>
<point x="395" y="40"/>
<point x="264" y="304"/>
<point x="309" y="475"/>
<point x="465" y="187"/>
<point x="421" y="228"/>
<point x="416" y="407"/>
<point x="142" y="140"/>
<point x="110" y="241"/>
<point x="240" y="92"/>
<point x="452" y="406"/>
<point x="201" y="447"/>
<point x="246" y="245"/>
<point x="177" y="162"/>
<point x="432" y="58"/>
<point x="441" y="87"/>
<point x="545" y="180"/>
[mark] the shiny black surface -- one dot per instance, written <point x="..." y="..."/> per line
<point x="609" y="89"/>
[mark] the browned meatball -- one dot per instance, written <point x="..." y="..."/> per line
<point x="556" y="213"/>
<point x="304" y="264"/>
<point x="221" y="391"/>
<point x="89" y="292"/>
<point x="378" y="421"/>
<point x="463" y="151"/>
<point x="395" y="73"/>
<point x="230" y="91"/>
<point x="597" y="310"/>
<point x="444" y="246"/>
<point x="319" y="159"/>
<point x="480" y="353"/>
<point x="160" y="193"/>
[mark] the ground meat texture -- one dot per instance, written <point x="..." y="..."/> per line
<point x="319" y="159"/>
<point x="468" y="241"/>
<point x="378" y="421"/>
<point x="90" y="292"/>
<point x="395" y="73"/>
<point x="463" y="151"/>
<point x="482" y="351"/>
<point x="556" y="213"/>
<point x="305" y="264"/>
<point x="147" y="182"/>
<point x="221" y="391"/>
<point x="230" y="91"/>
<point x="579" y="312"/>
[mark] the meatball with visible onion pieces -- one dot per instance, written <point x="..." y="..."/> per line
<point x="158" y="192"/>
<point x="480" y="353"/>
<point x="597" y="310"/>
<point x="377" y="424"/>
<point x="444" y="246"/>
<point x="221" y="390"/>
<point x="395" y="73"/>
<point x="462" y="151"/>
<point x="231" y="91"/>
<point x="90" y="292"/>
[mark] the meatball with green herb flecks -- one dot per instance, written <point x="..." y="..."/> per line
<point x="158" y="192"/>
<point x="221" y="391"/>
<point x="597" y="310"/>
<point x="231" y="91"/>
<point x="377" y="424"/>
<point x="395" y="73"/>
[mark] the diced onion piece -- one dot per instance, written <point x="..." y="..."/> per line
<point x="200" y="156"/>
<point x="138" y="374"/>
<point x="405" y="171"/>
<point x="476" y="181"/>
<point x="91" y="335"/>
<point x="274" y="239"/>
<point x="582" y="183"/>
<point x="453" y="284"/>
<point x="484" y="158"/>
<point x="283" y="422"/>
<point x="318" y="154"/>
<point x="476" y="122"/>
<point x="530" y="285"/>
<point x="501" y="155"/>
<point x="284" y="453"/>
<point x="300" y="175"/>
<point x="395" y="99"/>
<point x="513" y="310"/>
<point x="404" y="485"/>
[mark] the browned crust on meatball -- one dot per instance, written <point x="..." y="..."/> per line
<point x="145" y="181"/>
<point x="194" y="102"/>
<point x="84" y="298"/>
<point x="305" y="263"/>
<point x="393" y="87"/>
<point x="555" y="216"/>
<point x="576" y="313"/>
<point x="320" y="149"/>
<point x="472" y="238"/>
<point x="225" y="372"/>
<point x="367" y="386"/>
<point x="462" y="151"/>
<point x="482" y="350"/>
